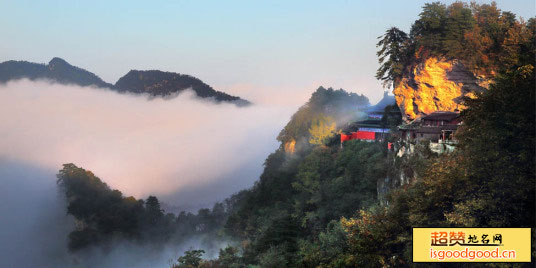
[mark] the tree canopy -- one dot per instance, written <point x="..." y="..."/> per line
<point x="484" y="38"/>
<point x="103" y="214"/>
<point x="391" y="55"/>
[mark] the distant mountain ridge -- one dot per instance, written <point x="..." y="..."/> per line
<point x="159" y="83"/>
<point x="57" y="70"/>
<point x="384" y="102"/>
<point x="153" y="82"/>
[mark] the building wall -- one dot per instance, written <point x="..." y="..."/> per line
<point x="428" y="136"/>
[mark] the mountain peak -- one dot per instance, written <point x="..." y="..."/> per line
<point x="58" y="61"/>
<point x="153" y="82"/>
<point x="161" y="83"/>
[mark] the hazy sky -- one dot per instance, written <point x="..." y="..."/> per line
<point x="274" y="49"/>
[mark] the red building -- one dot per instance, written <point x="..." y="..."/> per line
<point x="371" y="128"/>
<point x="359" y="135"/>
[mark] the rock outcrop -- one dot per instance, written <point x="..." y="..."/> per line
<point x="436" y="85"/>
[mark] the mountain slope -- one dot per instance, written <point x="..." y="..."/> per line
<point x="57" y="70"/>
<point x="159" y="83"/>
<point x="325" y="107"/>
<point x="154" y="82"/>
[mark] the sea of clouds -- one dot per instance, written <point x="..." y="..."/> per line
<point x="189" y="152"/>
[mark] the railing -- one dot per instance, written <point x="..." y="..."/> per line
<point x="447" y="141"/>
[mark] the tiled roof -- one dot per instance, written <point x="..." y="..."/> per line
<point x="441" y="116"/>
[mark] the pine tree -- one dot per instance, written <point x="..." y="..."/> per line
<point x="391" y="56"/>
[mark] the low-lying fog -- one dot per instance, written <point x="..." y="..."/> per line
<point x="188" y="152"/>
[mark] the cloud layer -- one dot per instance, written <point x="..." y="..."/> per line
<point x="138" y="145"/>
<point x="189" y="152"/>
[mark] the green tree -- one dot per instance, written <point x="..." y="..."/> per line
<point x="322" y="127"/>
<point x="315" y="171"/>
<point x="498" y="142"/>
<point x="328" y="249"/>
<point x="274" y="257"/>
<point x="229" y="258"/>
<point x="459" y="21"/>
<point x="427" y="32"/>
<point x="192" y="258"/>
<point x="153" y="211"/>
<point x="103" y="214"/>
<point x="391" y="56"/>
<point x="100" y="211"/>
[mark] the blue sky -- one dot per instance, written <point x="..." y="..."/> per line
<point x="279" y="49"/>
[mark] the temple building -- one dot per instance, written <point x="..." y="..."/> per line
<point x="438" y="128"/>
<point x="371" y="128"/>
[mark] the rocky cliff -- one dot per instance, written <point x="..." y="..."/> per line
<point x="436" y="85"/>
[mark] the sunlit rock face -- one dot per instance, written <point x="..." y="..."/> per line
<point x="436" y="85"/>
<point x="290" y="146"/>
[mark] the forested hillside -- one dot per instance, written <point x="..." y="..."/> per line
<point x="317" y="203"/>
<point x="103" y="215"/>
<point x="321" y="209"/>
<point x="326" y="112"/>
<point x="158" y="83"/>
<point x="452" y="52"/>
<point x="484" y="38"/>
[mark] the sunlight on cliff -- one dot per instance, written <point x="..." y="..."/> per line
<point x="290" y="146"/>
<point x="435" y="85"/>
